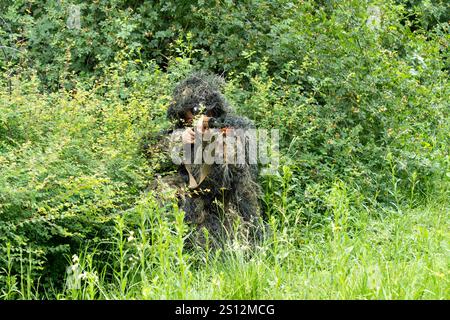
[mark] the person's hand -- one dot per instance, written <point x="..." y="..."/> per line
<point x="228" y="131"/>
<point x="202" y="124"/>
<point x="188" y="136"/>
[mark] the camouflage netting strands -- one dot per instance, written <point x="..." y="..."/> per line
<point x="226" y="203"/>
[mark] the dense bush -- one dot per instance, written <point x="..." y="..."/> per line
<point x="70" y="163"/>
<point x="350" y="104"/>
<point x="221" y="35"/>
<point x="358" y="91"/>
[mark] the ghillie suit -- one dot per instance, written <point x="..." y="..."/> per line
<point x="223" y="201"/>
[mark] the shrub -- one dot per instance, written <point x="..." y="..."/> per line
<point x="70" y="164"/>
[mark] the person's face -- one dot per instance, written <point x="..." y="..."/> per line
<point x="201" y="125"/>
<point x="189" y="117"/>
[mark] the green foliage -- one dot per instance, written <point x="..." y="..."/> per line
<point x="221" y="35"/>
<point x="358" y="89"/>
<point x="70" y="164"/>
<point x="354" y="255"/>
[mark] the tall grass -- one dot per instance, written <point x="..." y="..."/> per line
<point x="354" y="255"/>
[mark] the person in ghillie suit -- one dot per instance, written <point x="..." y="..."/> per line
<point x="220" y="200"/>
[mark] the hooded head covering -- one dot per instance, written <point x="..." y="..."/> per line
<point x="199" y="90"/>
